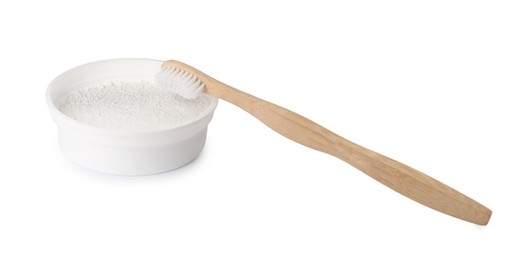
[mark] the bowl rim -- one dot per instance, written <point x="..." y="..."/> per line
<point x="61" y="118"/>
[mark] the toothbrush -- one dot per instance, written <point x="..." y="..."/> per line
<point x="190" y="82"/>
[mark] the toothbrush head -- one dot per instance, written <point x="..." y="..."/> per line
<point x="184" y="83"/>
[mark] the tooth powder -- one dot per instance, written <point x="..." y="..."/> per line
<point x="130" y="106"/>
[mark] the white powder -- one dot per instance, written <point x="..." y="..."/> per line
<point x="132" y="105"/>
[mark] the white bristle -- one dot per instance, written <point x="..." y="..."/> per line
<point x="183" y="83"/>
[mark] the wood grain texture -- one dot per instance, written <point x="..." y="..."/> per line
<point x="393" y="174"/>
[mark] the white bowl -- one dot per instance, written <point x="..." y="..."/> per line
<point x="124" y="152"/>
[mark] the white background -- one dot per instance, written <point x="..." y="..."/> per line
<point x="434" y="85"/>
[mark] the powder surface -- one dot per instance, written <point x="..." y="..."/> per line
<point x="130" y="105"/>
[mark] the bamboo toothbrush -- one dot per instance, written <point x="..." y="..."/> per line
<point x="190" y="82"/>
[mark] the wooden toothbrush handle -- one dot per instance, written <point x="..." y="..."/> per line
<point x="393" y="174"/>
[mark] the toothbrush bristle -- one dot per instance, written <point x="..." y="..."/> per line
<point x="182" y="82"/>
